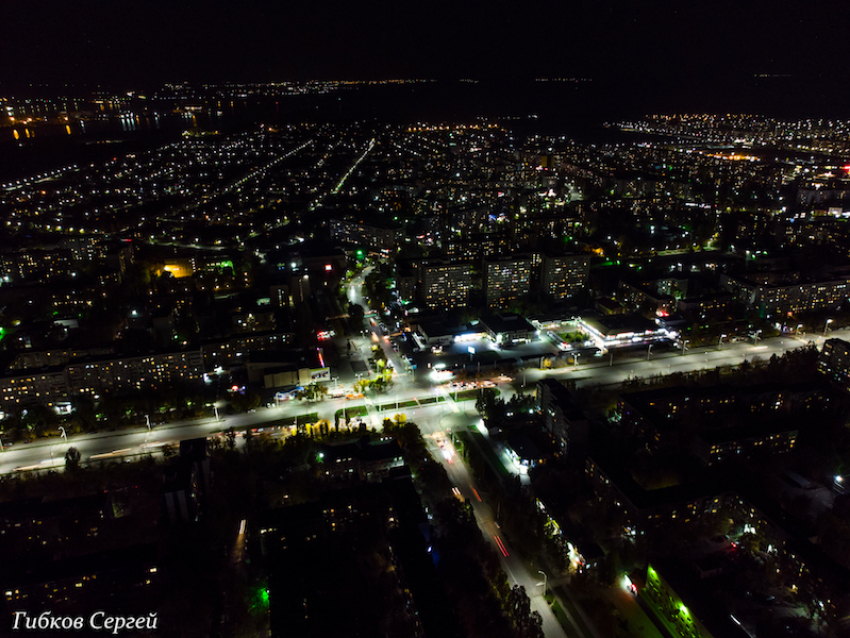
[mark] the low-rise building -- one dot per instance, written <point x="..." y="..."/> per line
<point x="286" y="368"/>
<point x="616" y="331"/>
<point x="362" y="459"/>
<point x="506" y="329"/>
<point x="774" y="298"/>
<point x="640" y="298"/>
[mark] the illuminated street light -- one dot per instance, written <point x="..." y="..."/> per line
<point x="826" y="325"/>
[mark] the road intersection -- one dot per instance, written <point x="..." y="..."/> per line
<point x="435" y="419"/>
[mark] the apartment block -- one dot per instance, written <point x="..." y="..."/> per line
<point x="564" y="276"/>
<point x="444" y="285"/>
<point x="507" y="280"/>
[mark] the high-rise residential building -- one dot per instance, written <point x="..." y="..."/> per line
<point x="563" y="276"/>
<point x="443" y="284"/>
<point x="834" y="360"/>
<point x="561" y="416"/>
<point x="507" y="280"/>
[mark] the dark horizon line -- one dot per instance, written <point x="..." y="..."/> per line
<point x="601" y="78"/>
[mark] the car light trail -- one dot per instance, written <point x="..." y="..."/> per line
<point x="113" y="453"/>
<point x="501" y="547"/>
<point x="474" y="491"/>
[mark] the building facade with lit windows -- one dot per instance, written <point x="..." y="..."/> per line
<point x="93" y="377"/>
<point x="95" y="370"/>
<point x="561" y="417"/>
<point x="766" y="426"/>
<point x="362" y="232"/>
<point x="771" y="300"/>
<point x="746" y="442"/>
<point x="645" y="509"/>
<point x="444" y="285"/>
<point x="564" y="276"/>
<point x="507" y="280"/>
<point x="223" y="354"/>
<point x="64" y="259"/>
<point x="834" y="361"/>
<point x="43" y="387"/>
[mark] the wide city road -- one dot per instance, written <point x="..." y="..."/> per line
<point x="435" y="430"/>
<point x="49" y="453"/>
<point x="436" y="420"/>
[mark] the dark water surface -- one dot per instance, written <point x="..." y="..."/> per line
<point x="575" y="109"/>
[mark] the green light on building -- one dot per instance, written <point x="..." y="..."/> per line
<point x="651" y="574"/>
<point x="260" y="600"/>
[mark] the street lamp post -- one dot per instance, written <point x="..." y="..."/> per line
<point x="720" y="341"/>
<point x="65" y="437"/>
<point x="545" y="581"/>
<point x="685" y="345"/>
<point x="575" y="359"/>
<point x="648" y="351"/>
<point x="826" y="325"/>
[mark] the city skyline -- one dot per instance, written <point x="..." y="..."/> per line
<point x="477" y="320"/>
<point x="135" y="44"/>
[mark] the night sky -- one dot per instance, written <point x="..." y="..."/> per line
<point x="651" y="43"/>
